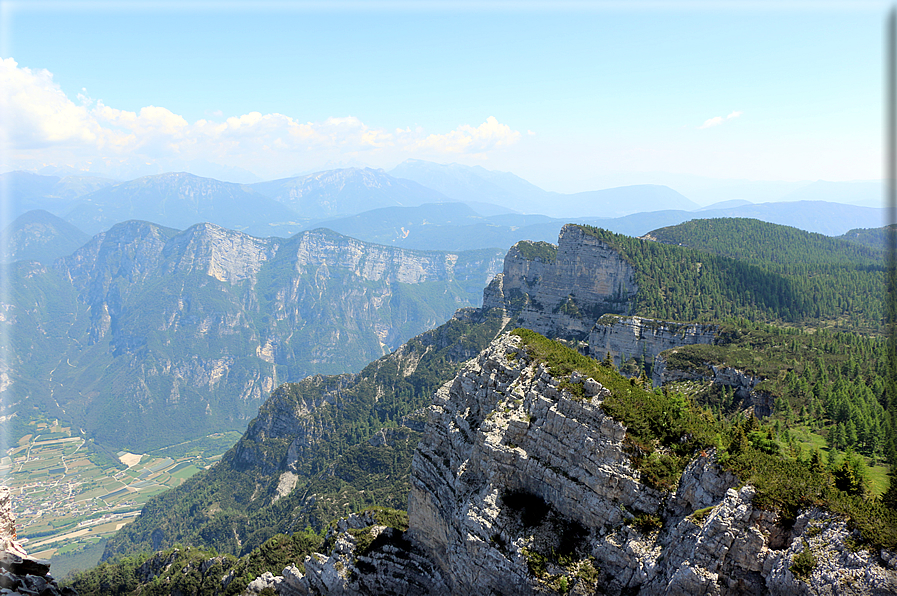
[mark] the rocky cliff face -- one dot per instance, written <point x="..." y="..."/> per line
<point x="178" y="334"/>
<point x="519" y="487"/>
<point x="743" y="385"/>
<point x="638" y="337"/>
<point x="564" y="297"/>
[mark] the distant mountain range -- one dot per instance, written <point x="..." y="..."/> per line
<point x="25" y="191"/>
<point x="346" y="192"/>
<point x="466" y="183"/>
<point x="418" y="204"/>
<point x="147" y="336"/>
<point x="450" y="227"/>
<point x="180" y="200"/>
<point x="866" y="193"/>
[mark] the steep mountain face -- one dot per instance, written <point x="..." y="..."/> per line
<point x="176" y="334"/>
<point x="306" y="432"/>
<point x="334" y="193"/>
<point x="180" y="200"/>
<point x="643" y="339"/>
<point x="561" y="292"/>
<point x="40" y="236"/>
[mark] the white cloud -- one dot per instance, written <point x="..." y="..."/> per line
<point x="467" y="139"/>
<point x="42" y="125"/>
<point x="717" y="120"/>
<point x="35" y="111"/>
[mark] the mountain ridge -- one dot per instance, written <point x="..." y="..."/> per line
<point x="169" y="330"/>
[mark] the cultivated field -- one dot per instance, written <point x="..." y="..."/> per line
<point x="64" y="503"/>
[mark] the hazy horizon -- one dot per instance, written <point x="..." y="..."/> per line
<point x="562" y="97"/>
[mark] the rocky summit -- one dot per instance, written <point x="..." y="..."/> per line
<point x="520" y="486"/>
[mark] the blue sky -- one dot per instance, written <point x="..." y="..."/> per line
<point x="559" y="96"/>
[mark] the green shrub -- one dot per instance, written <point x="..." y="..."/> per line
<point x="803" y="563"/>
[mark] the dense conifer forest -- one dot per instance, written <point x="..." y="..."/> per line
<point x="714" y="269"/>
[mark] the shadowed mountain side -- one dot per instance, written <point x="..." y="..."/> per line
<point x="315" y="447"/>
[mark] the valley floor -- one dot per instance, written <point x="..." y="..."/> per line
<point x="65" y="503"/>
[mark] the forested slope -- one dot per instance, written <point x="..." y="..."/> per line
<point x="707" y="270"/>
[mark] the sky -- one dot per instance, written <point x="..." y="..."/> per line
<point x="562" y="95"/>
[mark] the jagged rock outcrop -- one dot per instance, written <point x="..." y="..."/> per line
<point x="364" y="557"/>
<point x="641" y="338"/>
<point x="563" y="297"/>
<point x="520" y="487"/>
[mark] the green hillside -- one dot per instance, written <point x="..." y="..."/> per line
<point x="875" y="238"/>
<point x="665" y="431"/>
